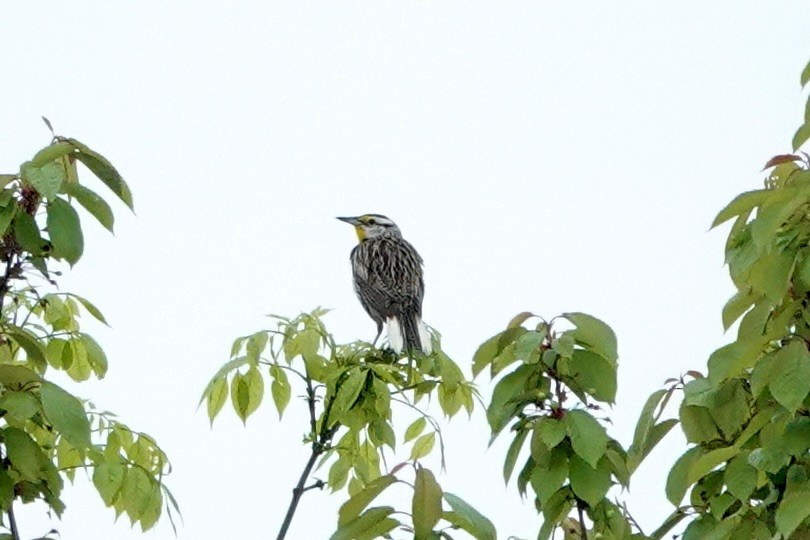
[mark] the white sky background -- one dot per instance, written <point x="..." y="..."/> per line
<point x="541" y="156"/>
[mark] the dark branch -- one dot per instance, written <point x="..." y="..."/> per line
<point x="581" y="513"/>
<point x="12" y="522"/>
<point x="320" y="444"/>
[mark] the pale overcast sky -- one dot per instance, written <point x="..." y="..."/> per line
<point x="543" y="156"/>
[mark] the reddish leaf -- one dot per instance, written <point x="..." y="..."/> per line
<point x="781" y="158"/>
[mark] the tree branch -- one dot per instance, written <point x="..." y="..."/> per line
<point x="581" y="513"/>
<point x="298" y="490"/>
<point x="12" y="522"/>
<point x="320" y="444"/>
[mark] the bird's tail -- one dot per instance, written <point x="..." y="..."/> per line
<point x="409" y="333"/>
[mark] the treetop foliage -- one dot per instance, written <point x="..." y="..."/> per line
<point x="46" y="433"/>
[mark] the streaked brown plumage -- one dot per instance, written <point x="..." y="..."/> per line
<point x="387" y="273"/>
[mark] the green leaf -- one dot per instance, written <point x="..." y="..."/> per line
<point x="90" y="307"/>
<point x="512" y="454"/>
<point x="485" y="354"/>
<point x="805" y="75"/>
<point x="589" y="484"/>
<point x="741" y="204"/>
<point x="46" y="179"/>
<point x="246" y="392"/>
<point x="637" y="454"/>
<point x="95" y="355"/>
<point x="256" y="345"/>
<point x="549" y="474"/>
<point x="136" y="493"/>
<point x="66" y="414"/>
<point x="697" y="424"/>
<point x="470" y="519"/>
<point x="357" y="503"/>
<point x="678" y="478"/>
<point x="731" y="359"/>
<point x="618" y="462"/>
<point x="25" y="455"/>
<point x="372" y="523"/>
<point x="551" y="431"/>
<point x="519" y="319"/>
<point x="108" y="476"/>
<point x="28" y="342"/>
<point x="792" y="511"/>
<point x="426" y="508"/>
<point x="564" y="345"/>
<point x="6" y="216"/>
<point x="790" y="375"/>
<point x="338" y="473"/>
<point x="422" y="446"/>
<point x="51" y="153"/>
<point x="768" y="459"/>
<point x="14" y="376"/>
<point x="648" y="434"/>
<point x="740" y="477"/>
<point x="730" y="408"/>
<point x="26" y="232"/>
<point x="280" y="389"/>
<point x="796" y="438"/>
<point x="736" y="306"/>
<point x="65" y="231"/>
<point x="91" y="202"/>
<point x="19" y="406"/>
<point x="505" y="396"/>
<point x="594" y="375"/>
<point x="104" y="170"/>
<point x="593" y="334"/>
<point x="416" y="428"/>
<point x="507" y="354"/>
<point x="217" y="397"/>
<point x="348" y="391"/>
<point x="6" y="489"/>
<point x="229" y="366"/>
<point x="709" y="461"/>
<point x="801" y="136"/>
<point x="781" y="203"/>
<point x="75" y="360"/>
<point x="527" y="346"/>
<point x="588" y="437"/>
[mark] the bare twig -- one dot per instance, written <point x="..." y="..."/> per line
<point x="320" y="444"/>
<point x="581" y="513"/>
<point x="12" y="522"/>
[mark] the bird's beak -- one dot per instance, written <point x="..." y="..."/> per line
<point x="350" y="220"/>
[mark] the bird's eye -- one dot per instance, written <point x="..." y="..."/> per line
<point x="371" y="222"/>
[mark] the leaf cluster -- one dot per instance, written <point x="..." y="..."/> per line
<point x="749" y="419"/>
<point x="47" y="433"/>
<point x="352" y="391"/>
<point x="572" y="462"/>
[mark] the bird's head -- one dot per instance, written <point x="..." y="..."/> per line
<point x="372" y="225"/>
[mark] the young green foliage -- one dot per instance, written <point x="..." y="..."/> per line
<point x="572" y="462"/>
<point x="747" y="419"/>
<point x="354" y="393"/>
<point x="47" y="433"/>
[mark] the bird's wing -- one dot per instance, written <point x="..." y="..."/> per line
<point x="394" y="278"/>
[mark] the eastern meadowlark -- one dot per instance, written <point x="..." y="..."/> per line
<point x="388" y="280"/>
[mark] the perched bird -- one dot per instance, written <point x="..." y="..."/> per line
<point x="388" y="280"/>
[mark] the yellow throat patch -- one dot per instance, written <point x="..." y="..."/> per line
<point x="361" y="234"/>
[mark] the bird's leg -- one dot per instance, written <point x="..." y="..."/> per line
<point x="379" y="331"/>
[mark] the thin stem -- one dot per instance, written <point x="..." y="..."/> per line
<point x="320" y="444"/>
<point x="581" y="512"/>
<point x="298" y="490"/>
<point x="4" y="288"/>
<point x="12" y="522"/>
